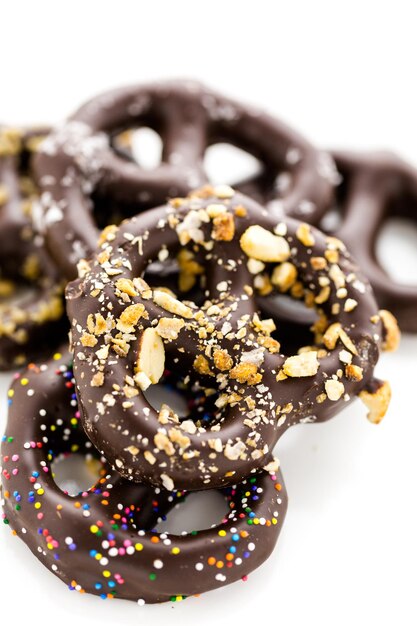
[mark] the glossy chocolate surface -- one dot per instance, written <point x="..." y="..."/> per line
<point x="78" y="159"/>
<point x="376" y="187"/>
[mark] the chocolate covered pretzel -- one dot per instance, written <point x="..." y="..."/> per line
<point x="31" y="308"/>
<point x="375" y="187"/>
<point x="101" y="541"/>
<point x="128" y="336"/>
<point x="79" y="160"/>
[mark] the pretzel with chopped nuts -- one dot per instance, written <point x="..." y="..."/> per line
<point x="127" y="335"/>
<point x="80" y="159"/>
<point x="101" y="541"/>
<point x="31" y="308"/>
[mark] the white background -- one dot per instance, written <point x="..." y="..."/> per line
<point x="344" y="74"/>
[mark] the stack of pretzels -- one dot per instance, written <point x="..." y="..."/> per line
<point x="204" y="321"/>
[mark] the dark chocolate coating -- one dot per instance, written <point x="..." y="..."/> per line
<point x="260" y="394"/>
<point x="79" y="158"/>
<point x="375" y="187"/>
<point x="101" y="541"/>
<point x="31" y="309"/>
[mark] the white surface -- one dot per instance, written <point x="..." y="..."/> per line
<point x="345" y="76"/>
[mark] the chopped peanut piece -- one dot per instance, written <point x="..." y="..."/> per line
<point x="263" y="326"/>
<point x="377" y="401"/>
<point x="337" y="276"/>
<point x="224" y="192"/>
<point x="126" y="285"/>
<point x="350" y="305"/>
<point x="169" y="327"/>
<point x="323" y="295"/>
<point x="354" y="372"/>
<point x="176" y="436"/>
<point x="336" y="332"/>
<point x="240" y="211"/>
<point x="151" y="359"/>
<point x="213" y="210"/>
<point x="332" y="256"/>
<point x="88" y="341"/>
<point x="305" y="235"/>
<point x="223" y="227"/>
<point x="300" y="365"/>
<point x="272" y="467"/>
<point x="392" y="334"/>
<point x="108" y="234"/>
<point x="284" y="276"/>
<point x="272" y="345"/>
<point x="263" y="284"/>
<point x="255" y="267"/>
<point x="318" y="263"/>
<point x="201" y="365"/>
<point x="222" y="360"/>
<point x="261" y="244"/>
<point x="167" y="482"/>
<point x="334" y="389"/>
<point x="149" y="457"/>
<point x="167" y="302"/>
<point x="246" y="373"/>
<point x="130" y="317"/>
<point x="162" y="442"/>
<point x="97" y="380"/>
<point x="235" y="451"/>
